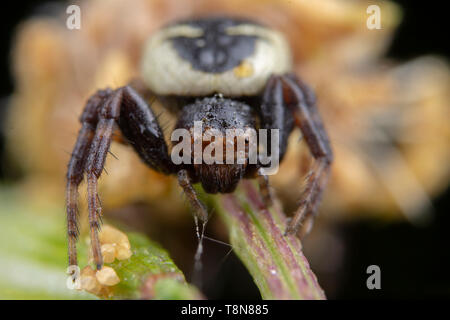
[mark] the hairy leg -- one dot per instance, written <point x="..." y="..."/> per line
<point x="296" y="98"/>
<point x="199" y="209"/>
<point x="103" y="111"/>
<point x="77" y="163"/>
<point x="264" y="188"/>
<point x="273" y="115"/>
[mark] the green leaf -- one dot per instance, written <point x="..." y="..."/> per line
<point x="33" y="258"/>
<point x="150" y="273"/>
<point x="33" y="251"/>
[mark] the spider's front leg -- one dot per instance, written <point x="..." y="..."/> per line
<point x="287" y="101"/>
<point x="138" y="124"/>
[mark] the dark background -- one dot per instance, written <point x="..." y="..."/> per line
<point x="415" y="262"/>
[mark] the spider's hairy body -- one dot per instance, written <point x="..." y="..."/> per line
<point x="222" y="72"/>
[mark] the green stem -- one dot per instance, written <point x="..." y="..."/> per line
<point x="275" y="261"/>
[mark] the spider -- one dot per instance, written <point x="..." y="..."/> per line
<point x="225" y="72"/>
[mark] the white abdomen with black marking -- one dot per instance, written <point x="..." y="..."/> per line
<point x="214" y="55"/>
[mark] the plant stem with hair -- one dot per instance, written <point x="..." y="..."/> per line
<point x="275" y="261"/>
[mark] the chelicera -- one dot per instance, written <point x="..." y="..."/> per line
<point x="222" y="71"/>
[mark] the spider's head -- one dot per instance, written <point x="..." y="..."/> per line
<point x="220" y="132"/>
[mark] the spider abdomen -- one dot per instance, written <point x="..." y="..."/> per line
<point x="214" y="55"/>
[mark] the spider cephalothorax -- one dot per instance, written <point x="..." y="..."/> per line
<point x="216" y="115"/>
<point x="224" y="74"/>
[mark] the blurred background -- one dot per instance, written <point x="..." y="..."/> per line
<point x="374" y="212"/>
